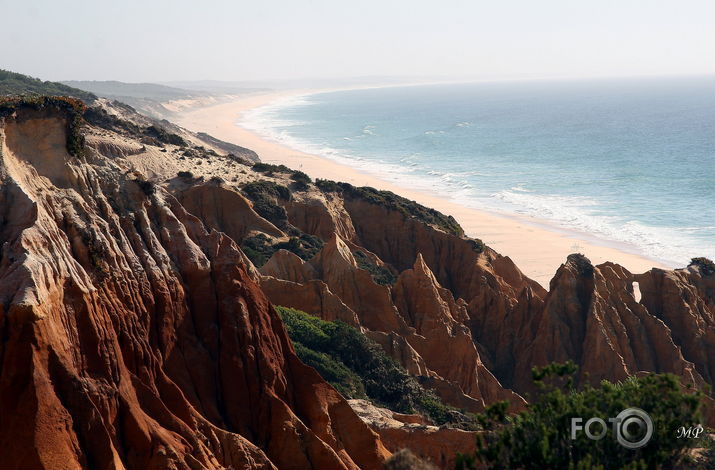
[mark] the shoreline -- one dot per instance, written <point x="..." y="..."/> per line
<point x="536" y="246"/>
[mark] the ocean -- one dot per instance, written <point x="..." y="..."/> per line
<point x="629" y="161"/>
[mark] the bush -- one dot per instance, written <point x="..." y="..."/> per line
<point x="101" y="118"/>
<point x="165" y="137"/>
<point x="335" y="348"/>
<point x="327" y="186"/>
<point x="74" y="109"/>
<point x="259" y="248"/>
<point x="476" y="244"/>
<point x="707" y="267"/>
<point x="299" y="186"/>
<point x="582" y="264"/>
<point x="147" y="187"/>
<point x="301" y="177"/>
<point x="265" y="196"/>
<point x="404" y="459"/>
<point x="345" y="381"/>
<point x="380" y="274"/>
<point x="269" y="168"/>
<point x="541" y="436"/>
<point x="301" y="181"/>
<point x="185" y="175"/>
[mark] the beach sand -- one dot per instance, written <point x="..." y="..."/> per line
<point x="536" y="247"/>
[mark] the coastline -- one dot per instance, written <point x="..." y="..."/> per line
<point x="537" y="247"/>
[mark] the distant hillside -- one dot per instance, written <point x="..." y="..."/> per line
<point x="148" y="98"/>
<point x="12" y="83"/>
<point x="115" y="89"/>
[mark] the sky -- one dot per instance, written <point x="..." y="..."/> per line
<point x="159" y="41"/>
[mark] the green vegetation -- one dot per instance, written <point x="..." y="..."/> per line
<point x="101" y="118"/>
<point x="259" y="248"/>
<point x="583" y="264"/>
<point x="358" y="368"/>
<point x="380" y="274"/>
<point x="12" y="83"/>
<point x="394" y="202"/>
<point x="71" y="107"/>
<point x="301" y="181"/>
<point x="147" y="187"/>
<point x="404" y="459"/>
<point x="265" y="195"/>
<point x="301" y="177"/>
<point x="237" y="159"/>
<point x="269" y="168"/>
<point x="165" y="137"/>
<point x="541" y="436"/>
<point x="476" y="244"/>
<point x="706" y="265"/>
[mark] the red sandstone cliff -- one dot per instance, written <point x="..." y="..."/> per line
<point x="134" y="338"/>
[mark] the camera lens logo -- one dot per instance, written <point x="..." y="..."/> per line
<point x="632" y="428"/>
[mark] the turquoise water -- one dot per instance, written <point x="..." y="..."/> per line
<point x="628" y="161"/>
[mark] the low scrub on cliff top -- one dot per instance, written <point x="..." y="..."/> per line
<point x="72" y="108"/>
<point x="165" y="137"/>
<point x="706" y="265"/>
<point x="12" y="83"/>
<point x="359" y="368"/>
<point x="380" y="274"/>
<point x="265" y="196"/>
<point x="259" y="248"/>
<point x="542" y="436"/>
<point x="392" y="201"/>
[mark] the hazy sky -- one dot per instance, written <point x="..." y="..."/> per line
<point x="156" y="40"/>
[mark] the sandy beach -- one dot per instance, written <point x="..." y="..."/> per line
<point x="535" y="246"/>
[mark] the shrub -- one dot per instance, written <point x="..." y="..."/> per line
<point x="262" y="189"/>
<point x="259" y="248"/>
<point x="147" y="187"/>
<point x="237" y="159"/>
<point x="299" y="186"/>
<point x="269" y="168"/>
<point x="541" y="436"/>
<point x="582" y="264"/>
<point x="185" y="175"/>
<point x="301" y="177"/>
<point x="73" y="108"/>
<point x="101" y="118"/>
<point x="707" y="267"/>
<point x="327" y="186"/>
<point x="265" y="196"/>
<point x="380" y="274"/>
<point x="476" y="244"/>
<point x="345" y="381"/>
<point x="331" y="346"/>
<point x="404" y="459"/>
<point x="165" y="137"/>
<point x="301" y="181"/>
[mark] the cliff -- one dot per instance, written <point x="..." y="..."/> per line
<point x="137" y="273"/>
<point x="133" y="337"/>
